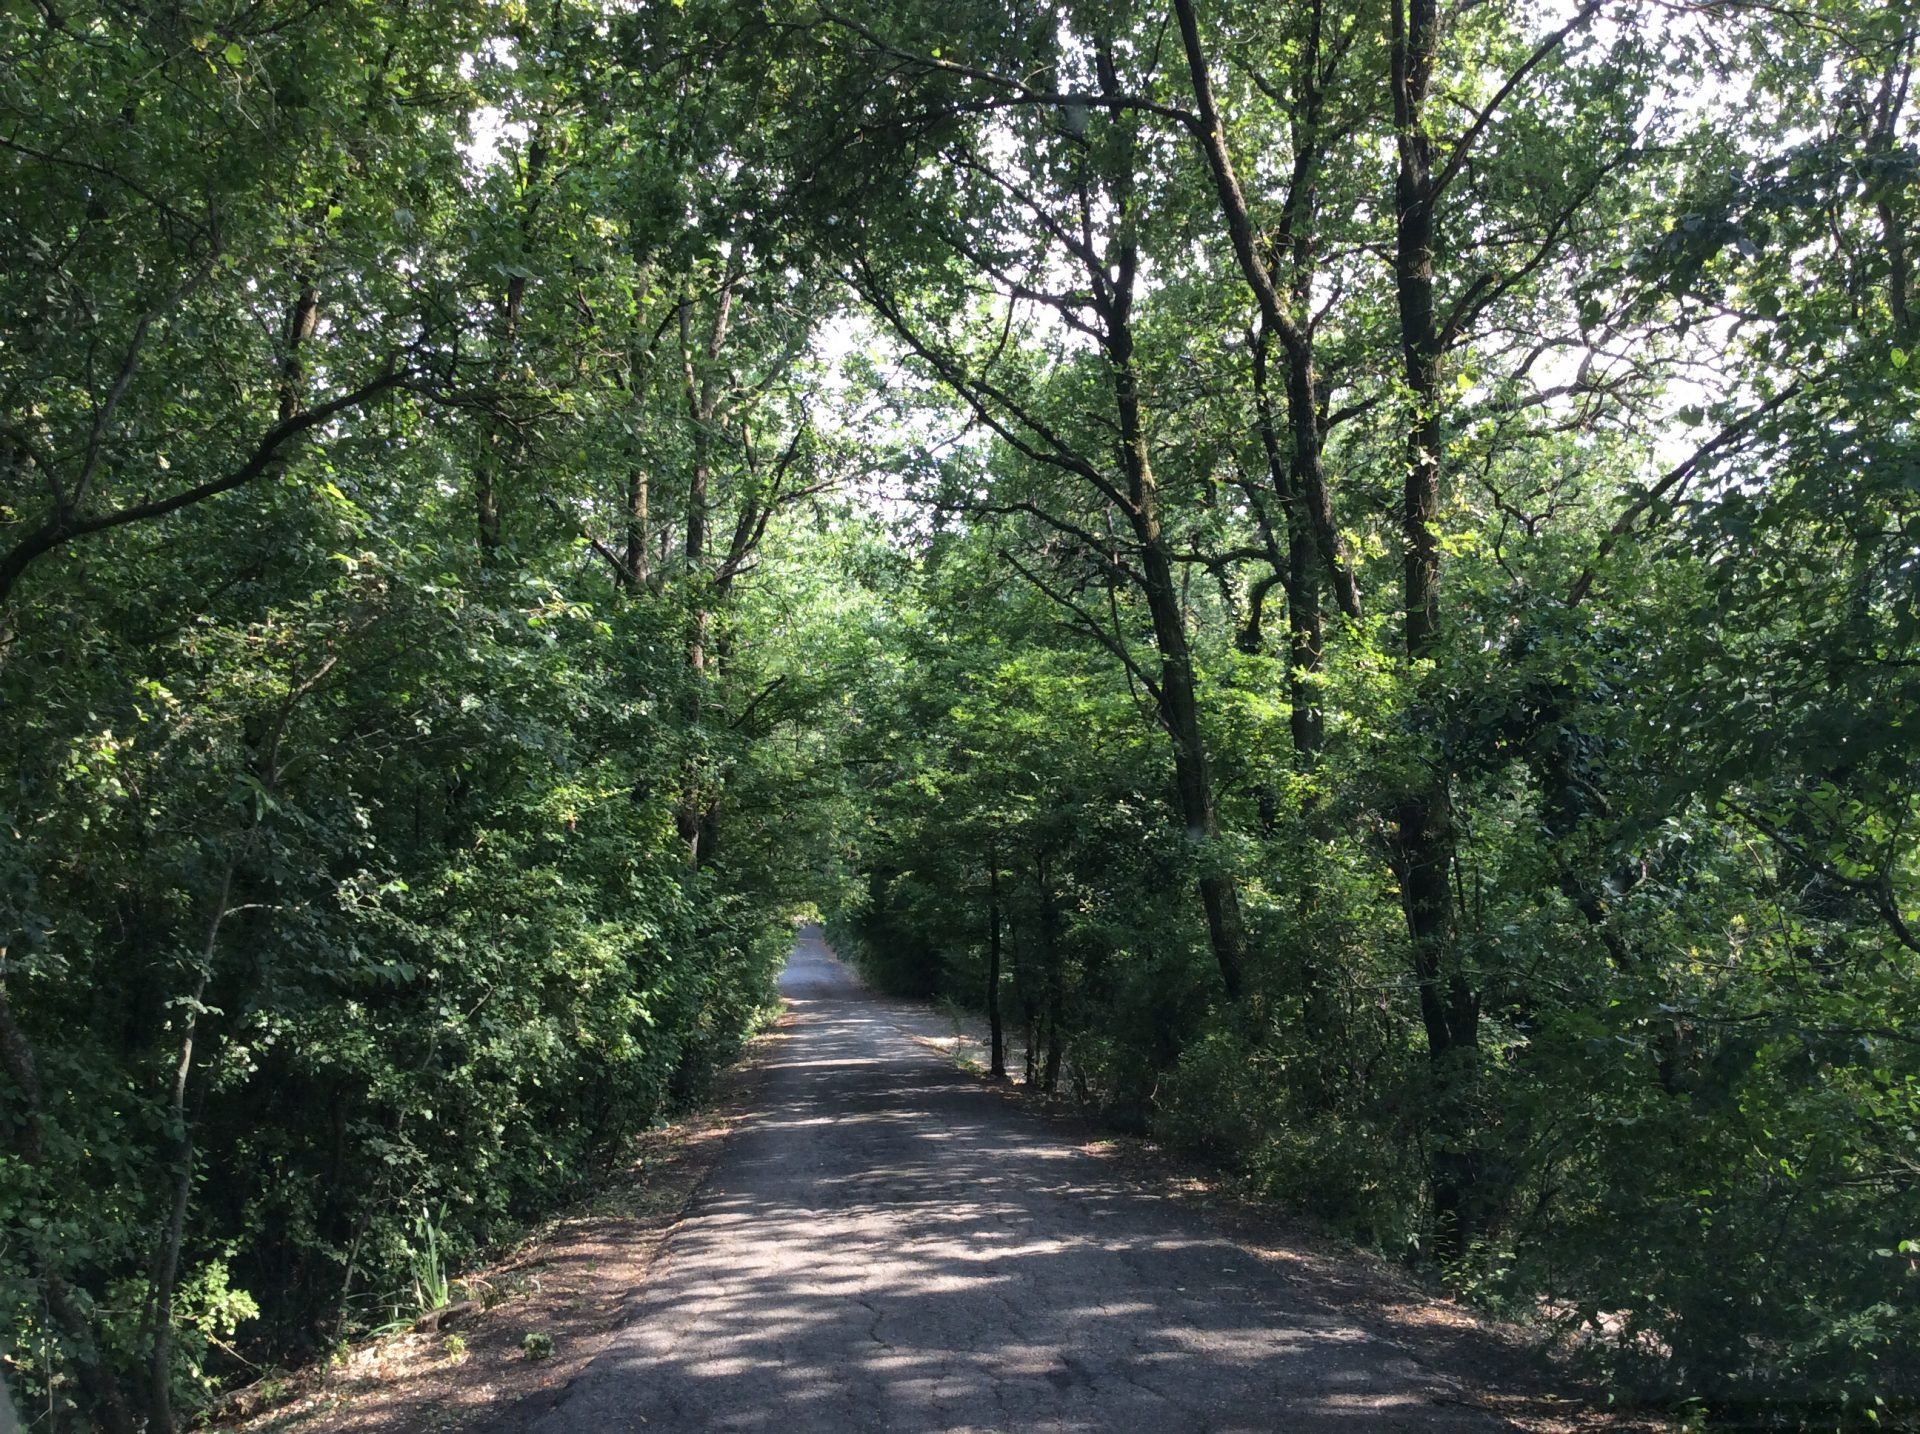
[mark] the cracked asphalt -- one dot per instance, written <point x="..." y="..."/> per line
<point x="887" y="1245"/>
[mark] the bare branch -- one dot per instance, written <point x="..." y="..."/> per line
<point x="1089" y="623"/>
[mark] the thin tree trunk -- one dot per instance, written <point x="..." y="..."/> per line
<point x="1881" y="123"/>
<point x="166" y="1263"/>
<point x="166" y="1267"/>
<point x="998" y="1042"/>
<point x="1303" y="578"/>
<point x="1178" y="699"/>
<point x="1050" y="952"/>
<point x="1303" y="403"/>
<point x="1023" y="990"/>
<point x="694" y="819"/>
<point x="635" y="575"/>
<point x="494" y="459"/>
<point x="488" y="471"/>
<point x="302" y="320"/>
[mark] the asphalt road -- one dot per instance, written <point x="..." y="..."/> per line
<point x="888" y="1245"/>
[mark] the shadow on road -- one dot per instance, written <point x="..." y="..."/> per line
<point x="887" y="1245"/>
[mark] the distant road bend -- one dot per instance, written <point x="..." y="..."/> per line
<point x="887" y="1245"/>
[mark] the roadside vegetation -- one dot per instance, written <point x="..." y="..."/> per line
<point x="1346" y="571"/>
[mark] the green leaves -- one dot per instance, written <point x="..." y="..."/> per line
<point x="393" y="827"/>
<point x="509" y="867"/>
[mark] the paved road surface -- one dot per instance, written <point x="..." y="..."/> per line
<point x="888" y="1246"/>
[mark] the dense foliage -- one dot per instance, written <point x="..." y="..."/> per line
<point x="1347" y="570"/>
<point x="1409" y="685"/>
<point x="391" y="414"/>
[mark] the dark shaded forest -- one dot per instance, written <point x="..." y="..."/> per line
<point x="1348" y="571"/>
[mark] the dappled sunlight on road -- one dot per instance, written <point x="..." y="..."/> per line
<point x="888" y="1245"/>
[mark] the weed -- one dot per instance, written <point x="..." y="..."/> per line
<point x="430" y="1282"/>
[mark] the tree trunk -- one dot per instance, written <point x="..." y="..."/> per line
<point x="635" y="574"/>
<point x="1310" y="559"/>
<point x="493" y="459"/>
<point x="1178" y="699"/>
<point x="694" y="819"/>
<point x="1883" y="123"/>
<point x="998" y="1037"/>
<point x="1049" y="925"/>
<point x="488" y="471"/>
<point x="1303" y="402"/>
<point x="1303" y="578"/>
<point x="166" y="1263"/>
<point x="1023" y="997"/>
<point x="1424" y="840"/>
<point x="302" y="319"/>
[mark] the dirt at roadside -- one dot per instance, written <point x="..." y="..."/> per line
<point x="567" y="1287"/>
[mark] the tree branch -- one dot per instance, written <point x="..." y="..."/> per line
<point x="1093" y="628"/>
<point x="1673" y="477"/>
<point x="62" y="528"/>
<point x="1463" y="147"/>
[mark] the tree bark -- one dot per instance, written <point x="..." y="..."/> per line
<point x="997" y="1067"/>
<point x="1423" y="839"/>
<point x="1303" y="402"/>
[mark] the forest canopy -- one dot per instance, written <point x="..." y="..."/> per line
<point x="1345" y="570"/>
